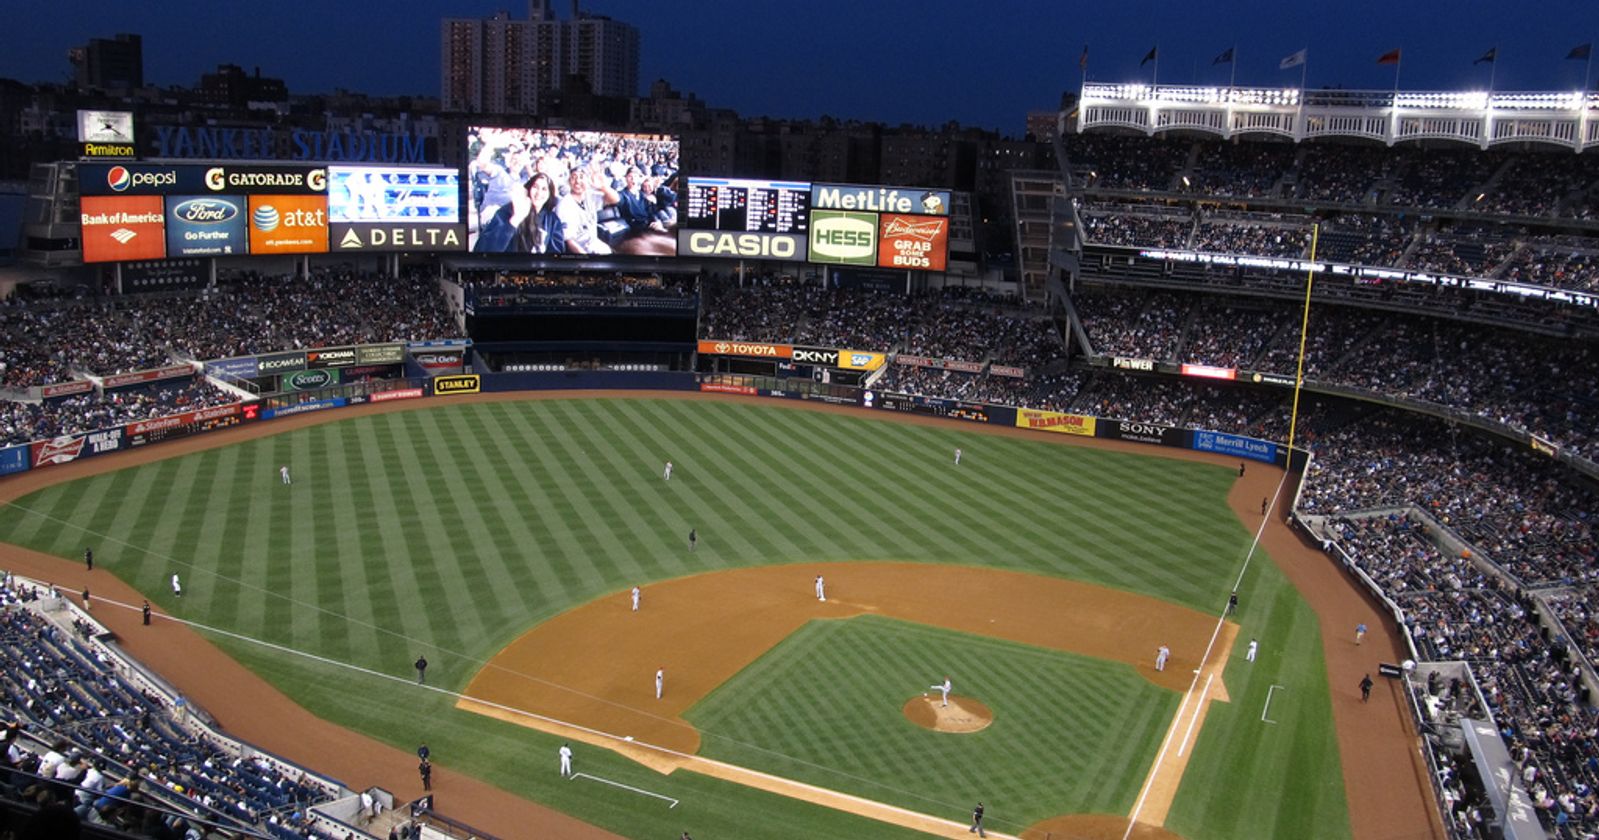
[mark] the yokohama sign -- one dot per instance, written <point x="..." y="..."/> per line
<point x="747" y="348"/>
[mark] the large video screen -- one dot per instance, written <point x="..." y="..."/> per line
<point x="742" y="218"/>
<point x="546" y="191"/>
<point x="395" y="208"/>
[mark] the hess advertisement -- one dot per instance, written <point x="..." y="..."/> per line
<point x="119" y="228"/>
<point x="203" y="225"/>
<point x="288" y="224"/>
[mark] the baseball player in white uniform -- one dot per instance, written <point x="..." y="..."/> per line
<point x="821" y="589"/>
<point x="944" y="688"/>
<point x="1161" y="655"/>
<point x="566" y="760"/>
<point x="284" y="471"/>
<point x="667" y="473"/>
<point x="635" y="599"/>
<point x="957" y="456"/>
<point x="177" y="588"/>
<point x="660" y="679"/>
<point x="1253" y="646"/>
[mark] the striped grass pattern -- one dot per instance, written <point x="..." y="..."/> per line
<point x="451" y="529"/>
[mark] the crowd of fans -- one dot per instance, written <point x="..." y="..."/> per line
<point x="22" y="422"/>
<point x="81" y="736"/>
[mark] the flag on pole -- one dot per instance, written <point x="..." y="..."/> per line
<point x="1581" y="52"/>
<point x="1082" y="62"/>
<point x="1390" y="57"/>
<point x="1294" y="60"/>
<point x="1488" y="56"/>
<point x="1148" y="57"/>
<point x="1224" y="58"/>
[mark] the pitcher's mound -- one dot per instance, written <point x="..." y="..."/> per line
<point x="963" y="714"/>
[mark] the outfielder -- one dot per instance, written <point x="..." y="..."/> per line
<point x="667" y="473"/>
<point x="284" y="471"/>
<point x="566" y="760"/>
<point x="177" y="588"/>
<point x="1249" y="656"/>
<point x="944" y="689"/>
<point x="957" y="456"/>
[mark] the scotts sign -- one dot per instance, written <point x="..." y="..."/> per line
<point x="747" y="348"/>
<point x="308" y="380"/>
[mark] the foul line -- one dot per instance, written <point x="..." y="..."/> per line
<point x="575" y="776"/>
<point x="1268" y="702"/>
<point x="1160" y="758"/>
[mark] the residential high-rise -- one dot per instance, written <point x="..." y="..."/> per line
<point x="506" y="66"/>
<point x="109" y="64"/>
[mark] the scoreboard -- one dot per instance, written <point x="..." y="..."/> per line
<point x="743" y="205"/>
<point x="732" y="217"/>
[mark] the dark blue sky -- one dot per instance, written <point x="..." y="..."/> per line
<point x="983" y="63"/>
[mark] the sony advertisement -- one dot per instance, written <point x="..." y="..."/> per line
<point x="552" y="191"/>
<point x="738" y="218"/>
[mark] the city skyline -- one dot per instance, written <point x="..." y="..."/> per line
<point x="891" y="63"/>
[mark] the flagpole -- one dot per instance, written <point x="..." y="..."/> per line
<point x="1399" y="62"/>
<point x="1233" y="76"/>
<point x="1304" y="68"/>
<point x="1587" y="72"/>
<point x="1155" y="83"/>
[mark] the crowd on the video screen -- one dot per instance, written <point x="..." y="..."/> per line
<point x="80" y="736"/>
<point x="57" y="340"/>
<point x="577" y="192"/>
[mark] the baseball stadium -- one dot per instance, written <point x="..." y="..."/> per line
<point x="1255" y="502"/>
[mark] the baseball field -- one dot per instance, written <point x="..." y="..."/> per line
<point x="499" y="538"/>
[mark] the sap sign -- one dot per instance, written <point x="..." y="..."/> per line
<point x="713" y="243"/>
<point x="843" y="238"/>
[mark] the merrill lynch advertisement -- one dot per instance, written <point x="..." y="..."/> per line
<point x="1236" y="445"/>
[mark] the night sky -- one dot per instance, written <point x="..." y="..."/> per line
<point x="981" y="63"/>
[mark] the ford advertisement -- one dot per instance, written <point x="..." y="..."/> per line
<point x="206" y="226"/>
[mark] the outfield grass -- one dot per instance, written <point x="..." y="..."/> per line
<point x="452" y="529"/>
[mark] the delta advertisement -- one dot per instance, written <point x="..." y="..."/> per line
<point x="882" y="227"/>
<point x="395" y="208"/>
<point x="1054" y="421"/>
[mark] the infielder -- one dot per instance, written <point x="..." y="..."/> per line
<point x="667" y="473"/>
<point x="1253" y="646"/>
<point x="660" y="679"/>
<point x="566" y="760"/>
<point x="284" y="471"/>
<point x="177" y="588"/>
<point x="635" y="599"/>
<point x="944" y="688"/>
<point x="821" y="589"/>
<point x="1161" y="655"/>
<point x="1360" y="632"/>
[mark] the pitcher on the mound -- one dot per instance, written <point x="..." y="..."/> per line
<point x="943" y="688"/>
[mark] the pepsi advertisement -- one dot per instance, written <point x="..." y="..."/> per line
<point x="206" y="226"/>
<point x="199" y="179"/>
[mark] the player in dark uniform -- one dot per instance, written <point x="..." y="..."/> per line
<point x="693" y="539"/>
